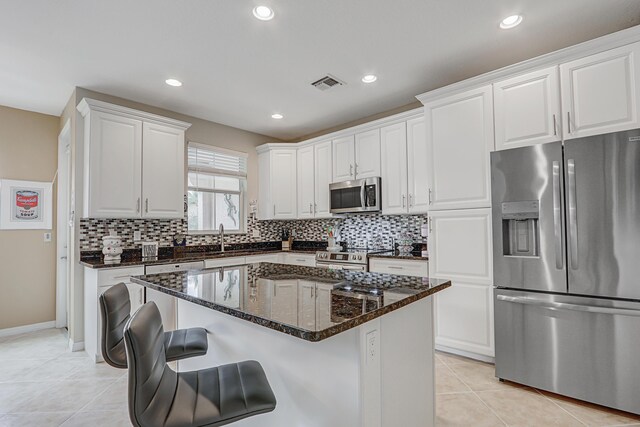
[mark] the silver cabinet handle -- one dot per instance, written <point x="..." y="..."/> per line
<point x="274" y="209"/>
<point x="568" y="122"/>
<point x="557" y="215"/>
<point x="573" y="214"/>
<point x="393" y="267"/>
<point x="310" y="208"/>
<point x="430" y="202"/>
<point x="403" y="200"/>
<point x="410" y="200"/>
<point x="315" y="208"/>
<point x="350" y="170"/>
<point x="122" y="277"/>
<point x="146" y="207"/>
<point x="138" y="205"/>
<point x="555" y="125"/>
<point x="355" y="169"/>
<point x="566" y="306"/>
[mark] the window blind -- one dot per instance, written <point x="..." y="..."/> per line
<point x="216" y="161"/>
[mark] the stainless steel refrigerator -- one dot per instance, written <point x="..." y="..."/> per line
<point x="566" y="242"/>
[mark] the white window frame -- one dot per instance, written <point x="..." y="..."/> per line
<point x="242" y="208"/>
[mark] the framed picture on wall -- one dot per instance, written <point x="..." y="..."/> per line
<point x="25" y="205"/>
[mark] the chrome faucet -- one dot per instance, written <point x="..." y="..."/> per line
<point x="221" y="232"/>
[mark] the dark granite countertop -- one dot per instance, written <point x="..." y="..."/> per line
<point x="250" y="292"/>
<point x="401" y="255"/>
<point x="170" y="255"/>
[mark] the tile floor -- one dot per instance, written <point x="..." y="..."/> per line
<point x="42" y="384"/>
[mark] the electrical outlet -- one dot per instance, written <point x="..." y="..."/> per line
<point x="47" y="237"/>
<point x="137" y="235"/>
<point x="372" y="346"/>
<point x="256" y="233"/>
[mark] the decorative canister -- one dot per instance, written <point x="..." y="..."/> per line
<point x="112" y="248"/>
<point x="27" y="205"/>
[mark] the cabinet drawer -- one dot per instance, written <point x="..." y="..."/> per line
<point x="224" y="262"/>
<point x="275" y="258"/>
<point x="169" y="268"/>
<point x="300" y="259"/>
<point x="400" y="267"/>
<point x="112" y="276"/>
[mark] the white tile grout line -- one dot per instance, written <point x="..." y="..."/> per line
<point x="568" y="412"/>
<point x="475" y="394"/>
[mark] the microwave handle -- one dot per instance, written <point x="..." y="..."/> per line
<point x="362" y="198"/>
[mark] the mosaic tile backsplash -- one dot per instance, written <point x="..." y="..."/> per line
<point x="361" y="230"/>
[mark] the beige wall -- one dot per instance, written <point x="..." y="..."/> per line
<point x="29" y="151"/>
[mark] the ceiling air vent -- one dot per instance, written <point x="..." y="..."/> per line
<point x="327" y="82"/>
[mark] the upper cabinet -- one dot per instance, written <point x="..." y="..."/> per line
<point x="305" y="180"/>
<point x="459" y="135"/>
<point x="394" y="168"/>
<point x="133" y="163"/>
<point x="277" y="183"/>
<point x="322" y="169"/>
<point x="417" y="166"/>
<point x="600" y="92"/>
<point x="527" y="109"/>
<point x="356" y="156"/>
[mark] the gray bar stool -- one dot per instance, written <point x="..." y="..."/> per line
<point x="115" y="306"/>
<point x="161" y="397"/>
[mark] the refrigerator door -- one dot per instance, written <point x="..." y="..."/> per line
<point x="575" y="346"/>
<point x="602" y="175"/>
<point x="528" y="218"/>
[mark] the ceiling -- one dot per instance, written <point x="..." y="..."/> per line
<point x="238" y="70"/>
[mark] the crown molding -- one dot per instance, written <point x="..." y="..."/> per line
<point x="87" y="105"/>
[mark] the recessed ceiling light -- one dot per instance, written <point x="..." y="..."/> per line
<point x="277" y="116"/>
<point x="263" y="13"/>
<point x="173" y="82"/>
<point x="369" y="78"/>
<point x="510" y="22"/>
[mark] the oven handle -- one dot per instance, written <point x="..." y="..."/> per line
<point x="566" y="306"/>
<point x="362" y="199"/>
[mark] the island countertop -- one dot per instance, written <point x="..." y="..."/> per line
<point x="281" y="297"/>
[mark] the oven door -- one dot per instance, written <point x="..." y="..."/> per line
<point x="339" y="266"/>
<point x="362" y="195"/>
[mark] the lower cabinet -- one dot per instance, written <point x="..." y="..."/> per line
<point x="305" y="260"/>
<point x="95" y="283"/>
<point x="401" y="267"/>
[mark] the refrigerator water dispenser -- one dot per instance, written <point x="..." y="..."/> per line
<point x="520" y="230"/>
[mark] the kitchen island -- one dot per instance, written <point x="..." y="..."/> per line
<point x="340" y="348"/>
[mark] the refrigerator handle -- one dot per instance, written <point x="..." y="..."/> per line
<point x="573" y="220"/>
<point x="565" y="306"/>
<point x="557" y="216"/>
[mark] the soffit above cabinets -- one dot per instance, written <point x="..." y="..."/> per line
<point x="238" y="71"/>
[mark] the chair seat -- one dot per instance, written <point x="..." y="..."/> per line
<point x="185" y="343"/>
<point x="221" y="395"/>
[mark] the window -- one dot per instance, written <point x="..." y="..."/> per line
<point x="217" y="180"/>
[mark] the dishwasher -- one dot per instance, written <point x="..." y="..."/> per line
<point x="166" y="303"/>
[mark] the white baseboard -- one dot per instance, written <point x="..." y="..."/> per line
<point x="76" y="346"/>
<point x="27" y="328"/>
<point x="475" y="356"/>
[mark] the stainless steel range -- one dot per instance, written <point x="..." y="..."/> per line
<point x="349" y="259"/>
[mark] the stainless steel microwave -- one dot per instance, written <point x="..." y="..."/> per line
<point x="360" y="195"/>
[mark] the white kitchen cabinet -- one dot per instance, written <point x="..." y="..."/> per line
<point x="113" y="166"/>
<point x="367" y="155"/>
<point x="273" y="258"/>
<point x="305" y="181"/>
<point x="225" y="262"/>
<point x="323" y="299"/>
<point x="343" y="158"/>
<point x="459" y="138"/>
<point x="323" y="176"/>
<point x="600" y="92"/>
<point x="460" y="245"/>
<point x="307" y="304"/>
<point x="417" y="166"/>
<point x="96" y="281"/>
<point x="162" y="171"/>
<point x="393" y="148"/>
<point x="400" y="267"/>
<point x="464" y="319"/>
<point x="527" y="109"/>
<point x="133" y="163"/>
<point x="277" y="184"/>
<point x="305" y="260"/>
<point x="284" y="301"/>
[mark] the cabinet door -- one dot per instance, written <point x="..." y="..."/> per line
<point x="162" y="171"/>
<point x="343" y="158"/>
<point x="464" y="318"/>
<point x="460" y="245"/>
<point x="114" y="170"/>
<point x="367" y="146"/>
<point x="283" y="184"/>
<point x="305" y="181"/>
<point x="323" y="305"/>
<point x="323" y="177"/>
<point x="527" y="109"/>
<point x="307" y="304"/>
<point x="417" y="166"/>
<point x="600" y="92"/>
<point x="459" y="139"/>
<point x="394" y="168"/>
<point x="284" y="302"/>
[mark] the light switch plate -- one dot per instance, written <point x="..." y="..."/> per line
<point x="256" y="233"/>
<point x="137" y="235"/>
<point x="47" y="237"/>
